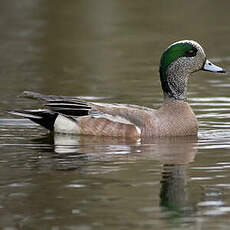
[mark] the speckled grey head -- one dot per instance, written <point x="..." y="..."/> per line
<point x="178" y="62"/>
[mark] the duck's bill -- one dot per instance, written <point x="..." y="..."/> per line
<point x="209" y="66"/>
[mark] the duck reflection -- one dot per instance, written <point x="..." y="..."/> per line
<point x="69" y="144"/>
<point x="174" y="153"/>
<point x="175" y="156"/>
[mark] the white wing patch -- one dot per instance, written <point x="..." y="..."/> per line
<point x="118" y="119"/>
<point x="66" y="125"/>
<point x="112" y="118"/>
<point x="138" y="130"/>
<point x="126" y="106"/>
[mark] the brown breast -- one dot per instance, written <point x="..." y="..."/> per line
<point x="172" y="119"/>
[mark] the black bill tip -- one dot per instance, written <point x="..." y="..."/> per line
<point x="221" y="71"/>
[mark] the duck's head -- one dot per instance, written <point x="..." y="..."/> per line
<point x="178" y="62"/>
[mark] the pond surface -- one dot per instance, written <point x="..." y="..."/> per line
<point x="109" y="51"/>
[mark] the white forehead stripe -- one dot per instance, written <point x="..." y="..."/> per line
<point x="193" y="43"/>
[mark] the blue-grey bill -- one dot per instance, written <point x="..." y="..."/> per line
<point x="209" y="66"/>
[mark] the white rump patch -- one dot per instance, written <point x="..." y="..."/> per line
<point x="66" y="125"/>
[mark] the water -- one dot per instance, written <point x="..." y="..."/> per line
<point x="109" y="51"/>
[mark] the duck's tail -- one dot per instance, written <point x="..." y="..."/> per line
<point x="43" y="117"/>
<point x="50" y="98"/>
<point x="65" y="105"/>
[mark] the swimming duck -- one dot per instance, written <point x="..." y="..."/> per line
<point x="175" y="117"/>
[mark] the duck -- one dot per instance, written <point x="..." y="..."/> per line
<point x="175" y="117"/>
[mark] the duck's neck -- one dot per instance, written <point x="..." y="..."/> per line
<point x="176" y="85"/>
<point x="169" y="99"/>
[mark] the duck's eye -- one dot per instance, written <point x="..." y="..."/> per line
<point x="191" y="53"/>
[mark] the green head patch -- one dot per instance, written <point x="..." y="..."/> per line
<point x="174" y="52"/>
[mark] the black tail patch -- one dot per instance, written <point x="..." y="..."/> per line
<point x="43" y="117"/>
<point x="69" y="106"/>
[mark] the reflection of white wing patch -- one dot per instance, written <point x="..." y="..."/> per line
<point x="66" y="125"/>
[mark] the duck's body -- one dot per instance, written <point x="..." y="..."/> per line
<point x="174" y="118"/>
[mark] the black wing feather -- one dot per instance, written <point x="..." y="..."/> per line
<point x="69" y="106"/>
<point x="66" y="105"/>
